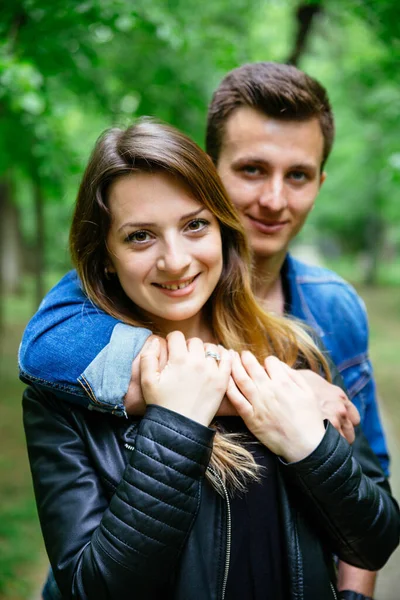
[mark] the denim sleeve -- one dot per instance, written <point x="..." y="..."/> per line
<point x="70" y="345"/>
<point x="334" y="309"/>
<point x="358" y="376"/>
<point x="107" y="378"/>
<point x="363" y="393"/>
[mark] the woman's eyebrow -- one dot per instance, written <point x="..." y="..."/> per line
<point x="150" y="224"/>
<point x="193" y="214"/>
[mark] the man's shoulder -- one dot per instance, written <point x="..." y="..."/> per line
<point x="330" y="305"/>
<point x="307" y="272"/>
<point x="67" y="288"/>
<point x="322" y="281"/>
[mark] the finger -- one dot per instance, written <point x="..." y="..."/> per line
<point x="149" y="362"/>
<point x="163" y="358"/>
<point x="348" y="431"/>
<point x="243" y="408"/>
<point x="195" y="347"/>
<point x="276" y="368"/>
<point x="241" y="377"/>
<point x="176" y="347"/>
<point x="352" y="413"/>
<point x="225" y="364"/>
<point x="213" y="349"/>
<point x="253" y="368"/>
<point x="297" y="377"/>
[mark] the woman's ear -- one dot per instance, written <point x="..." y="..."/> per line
<point x="109" y="269"/>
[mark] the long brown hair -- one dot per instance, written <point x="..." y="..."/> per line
<point x="236" y="319"/>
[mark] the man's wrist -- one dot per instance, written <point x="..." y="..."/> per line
<point x="350" y="595"/>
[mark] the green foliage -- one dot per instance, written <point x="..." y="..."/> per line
<point x="358" y="204"/>
<point x="70" y="69"/>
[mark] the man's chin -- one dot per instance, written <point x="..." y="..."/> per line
<point x="268" y="251"/>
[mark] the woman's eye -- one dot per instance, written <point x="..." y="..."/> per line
<point x="139" y="237"/>
<point x="197" y="225"/>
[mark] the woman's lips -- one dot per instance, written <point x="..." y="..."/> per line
<point x="268" y="227"/>
<point x="177" y="288"/>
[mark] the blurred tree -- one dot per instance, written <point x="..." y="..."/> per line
<point x="305" y="15"/>
<point x="66" y="67"/>
<point x="69" y="69"/>
<point x="350" y="54"/>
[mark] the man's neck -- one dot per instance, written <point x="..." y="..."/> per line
<point x="267" y="282"/>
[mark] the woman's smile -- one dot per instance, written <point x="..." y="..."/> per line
<point x="178" y="288"/>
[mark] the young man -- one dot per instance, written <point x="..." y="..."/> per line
<point x="270" y="130"/>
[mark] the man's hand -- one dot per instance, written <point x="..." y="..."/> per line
<point x="335" y="405"/>
<point x="360" y="582"/>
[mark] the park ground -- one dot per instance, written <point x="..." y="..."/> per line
<point x="22" y="557"/>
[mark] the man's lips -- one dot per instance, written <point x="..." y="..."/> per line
<point x="267" y="226"/>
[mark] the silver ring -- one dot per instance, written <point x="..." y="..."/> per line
<point x="211" y="354"/>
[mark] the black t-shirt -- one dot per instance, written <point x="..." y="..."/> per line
<point x="287" y="294"/>
<point x="256" y="570"/>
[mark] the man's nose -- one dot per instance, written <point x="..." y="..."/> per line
<point x="174" y="257"/>
<point x="272" y="195"/>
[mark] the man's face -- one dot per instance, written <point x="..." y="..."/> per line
<point x="271" y="171"/>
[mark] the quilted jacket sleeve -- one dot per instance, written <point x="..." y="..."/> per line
<point x="346" y="495"/>
<point x="126" y="548"/>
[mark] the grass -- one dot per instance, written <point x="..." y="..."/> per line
<point x="22" y="558"/>
<point x="383" y="306"/>
<point x="21" y="547"/>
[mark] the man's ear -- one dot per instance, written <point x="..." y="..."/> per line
<point x="322" y="178"/>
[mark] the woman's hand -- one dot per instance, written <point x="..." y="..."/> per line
<point x="334" y="403"/>
<point x="277" y="405"/>
<point x="134" y="401"/>
<point x="190" y="383"/>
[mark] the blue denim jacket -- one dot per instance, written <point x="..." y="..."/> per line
<point x="85" y="355"/>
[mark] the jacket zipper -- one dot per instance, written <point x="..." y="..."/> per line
<point x="228" y="533"/>
<point x="333" y="590"/>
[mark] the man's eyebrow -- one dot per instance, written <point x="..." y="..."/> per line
<point x="249" y="158"/>
<point x="135" y="224"/>
<point x="305" y="166"/>
<point x="256" y="160"/>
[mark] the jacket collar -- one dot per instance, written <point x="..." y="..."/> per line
<point x="295" y="294"/>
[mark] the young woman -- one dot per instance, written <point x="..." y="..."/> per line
<point x="181" y="504"/>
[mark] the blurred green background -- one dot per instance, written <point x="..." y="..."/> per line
<point x="70" y="69"/>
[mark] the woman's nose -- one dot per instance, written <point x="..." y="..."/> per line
<point x="174" y="258"/>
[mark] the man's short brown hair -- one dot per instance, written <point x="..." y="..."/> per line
<point x="279" y="91"/>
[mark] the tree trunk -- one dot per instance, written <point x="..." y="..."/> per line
<point x="375" y="236"/>
<point x="3" y="200"/>
<point x="13" y="251"/>
<point x="39" y="262"/>
<point x="305" y="17"/>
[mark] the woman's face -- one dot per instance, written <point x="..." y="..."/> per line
<point x="165" y="247"/>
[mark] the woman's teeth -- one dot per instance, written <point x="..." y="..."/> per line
<point x="176" y="287"/>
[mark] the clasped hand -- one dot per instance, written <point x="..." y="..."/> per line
<point x="275" y="402"/>
<point x="190" y="382"/>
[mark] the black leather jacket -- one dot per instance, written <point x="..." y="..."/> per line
<point x="126" y="512"/>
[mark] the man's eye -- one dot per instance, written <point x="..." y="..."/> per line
<point x="197" y="225"/>
<point x="138" y="237"/>
<point x="251" y="170"/>
<point x="298" y="175"/>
